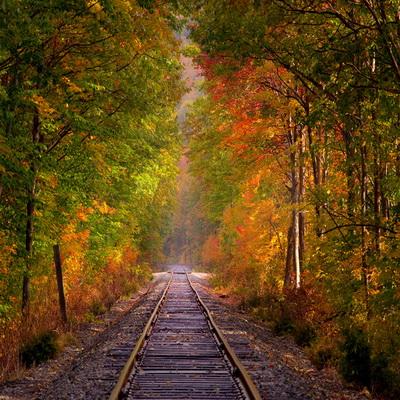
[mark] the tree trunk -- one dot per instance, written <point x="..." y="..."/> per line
<point x="30" y="209"/>
<point x="300" y="198"/>
<point x="289" y="259"/>
<point x="296" y="247"/>
<point x="350" y="162"/>
<point x="377" y="196"/>
<point x="293" y="255"/>
<point x="324" y="157"/>
<point x="385" y="201"/>
<point x="364" y="262"/>
<point x="316" y="167"/>
<point x="295" y="165"/>
<point x="60" y="285"/>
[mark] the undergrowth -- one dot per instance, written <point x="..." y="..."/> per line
<point x="29" y="342"/>
<point x="362" y="354"/>
<point x="38" y="349"/>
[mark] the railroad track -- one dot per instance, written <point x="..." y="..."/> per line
<point x="182" y="354"/>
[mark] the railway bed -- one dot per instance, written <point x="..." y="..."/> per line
<point x="182" y="354"/>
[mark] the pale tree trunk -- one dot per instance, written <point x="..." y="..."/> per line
<point x="289" y="258"/>
<point x="296" y="248"/>
<point x="295" y="237"/>
<point x="300" y="199"/>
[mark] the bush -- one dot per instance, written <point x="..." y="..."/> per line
<point x="380" y="374"/>
<point x="304" y="334"/>
<point x="251" y="301"/>
<point x="323" y="352"/>
<point x="355" y="364"/>
<point x="39" y="349"/>
<point x="108" y="301"/>
<point x="283" y="325"/>
<point x="384" y="376"/>
<point x="321" y="358"/>
<point x="97" y="308"/>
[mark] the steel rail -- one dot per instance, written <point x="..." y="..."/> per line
<point x="240" y="370"/>
<point x="126" y="371"/>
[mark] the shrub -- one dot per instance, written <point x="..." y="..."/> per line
<point x="355" y="364"/>
<point x="322" y="357"/>
<point x="107" y="302"/>
<point x="384" y="376"/>
<point x="283" y="325"/>
<point x="97" y="308"/>
<point x="323" y="352"/>
<point x="39" y="349"/>
<point x="304" y="334"/>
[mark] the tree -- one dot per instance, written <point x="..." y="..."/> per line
<point x="312" y="89"/>
<point x="88" y="144"/>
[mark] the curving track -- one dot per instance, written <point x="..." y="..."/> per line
<point x="182" y="354"/>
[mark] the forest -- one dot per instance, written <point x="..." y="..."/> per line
<point x="283" y="181"/>
<point x="89" y="148"/>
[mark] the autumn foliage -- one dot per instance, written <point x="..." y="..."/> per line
<point x="294" y="158"/>
<point x="88" y="154"/>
